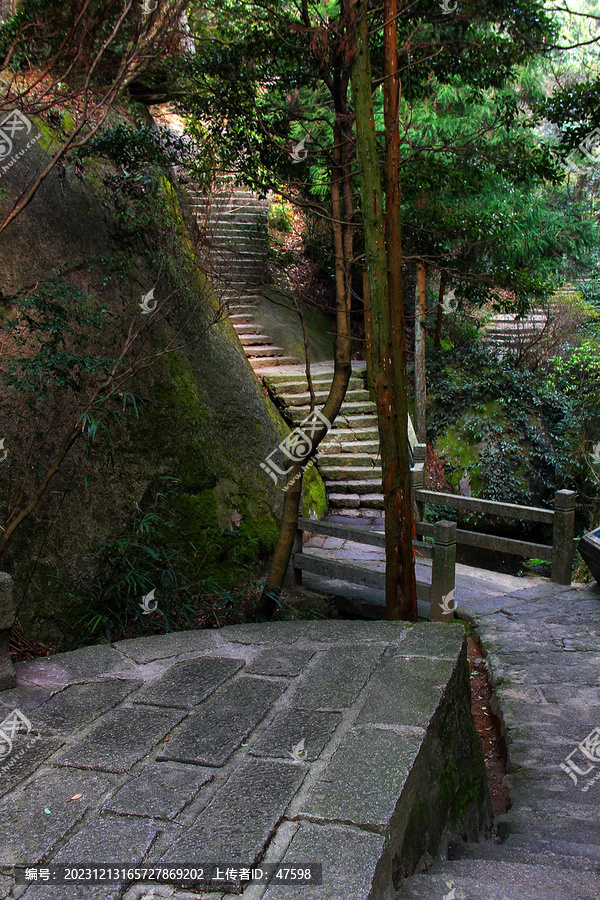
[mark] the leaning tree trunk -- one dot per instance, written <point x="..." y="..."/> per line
<point x="342" y="214"/>
<point x="384" y="265"/>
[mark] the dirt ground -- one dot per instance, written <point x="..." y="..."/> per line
<point x="488" y="727"/>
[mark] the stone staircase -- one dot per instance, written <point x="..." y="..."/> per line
<point x="348" y="458"/>
<point x="234" y="254"/>
<point x="510" y="334"/>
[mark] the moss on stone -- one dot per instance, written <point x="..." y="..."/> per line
<point x="314" y="497"/>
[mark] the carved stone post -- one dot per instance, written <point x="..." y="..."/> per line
<point x="562" y="537"/>
<point x="443" y="572"/>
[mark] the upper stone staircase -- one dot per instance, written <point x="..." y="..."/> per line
<point x="517" y="335"/>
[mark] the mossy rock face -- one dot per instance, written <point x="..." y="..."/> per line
<point x="485" y="456"/>
<point x="277" y="317"/>
<point x="314" y="497"/>
<point x="204" y="419"/>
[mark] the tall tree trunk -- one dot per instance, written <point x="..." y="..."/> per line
<point x="440" y="311"/>
<point x="367" y="325"/>
<point x="420" y="383"/>
<point x="384" y="265"/>
<point x="342" y="214"/>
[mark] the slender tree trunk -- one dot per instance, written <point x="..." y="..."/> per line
<point x="367" y="321"/>
<point x="420" y="383"/>
<point x="438" y="321"/>
<point x="342" y="214"/>
<point x="384" y="265"/>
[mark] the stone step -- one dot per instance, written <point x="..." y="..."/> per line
<point x="370" y="515"/>
<point x="253" y="340"/>
<point x="354" y="396"/>
<point x="242" y="318"/>
<point x="247" y="280"/>
<point x="539" y="853"/>
<point x="241" y="298"/>
<point x="319" y="371"/>
<point x="486" y="880"/>
<point x="348" y="409"/>
<point x="218" y="207"/>
<point x="283" y="388"/>
<point x="276" y="361"/>
<point x="245" y="328"/>
<point x="348" y="459"/>
<point x="352" y="422"/>
<point x="241" y="308"/>
<point x="336" y="445"/>
<point x="355" y="501"/>
<point x="568" y="849"/>
<point x="256" y="350"/>
<point x="242" y="238"/>
<point x="353" y="435"/>
<point x="232" y="250"/>
<point x="364" y="486"/>
<point x="348" y="473"/>
<point x="226" y="270"/>
<point x="225" y="217"/>
<point x="244" y="198"/>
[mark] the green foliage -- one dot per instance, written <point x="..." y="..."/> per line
<point x="517" y="424"/>
<point x="131" y="147"/>
<point x="278" y="219"/>
<point x="154" y="553"/>
<point x="54" y="321"/>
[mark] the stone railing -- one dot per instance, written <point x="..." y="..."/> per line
<point x="7" y="618"/>
<point x="439" y="594"/>
<point x="562" y="519"/>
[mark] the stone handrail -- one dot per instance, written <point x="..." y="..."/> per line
<point x="7" y="617"/>
<point x="439" y="594"/>
<point x="562" y="518"/>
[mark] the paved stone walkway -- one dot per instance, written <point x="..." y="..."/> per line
<point x="310" y="742"/>
<point x="543" y="653"/>
<point x="473" y="586"/>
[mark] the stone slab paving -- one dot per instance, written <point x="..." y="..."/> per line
<point x="297" y="742"/>
<point x="543" y="655"/>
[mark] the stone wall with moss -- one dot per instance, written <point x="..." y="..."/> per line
<point x="201" y="419"/>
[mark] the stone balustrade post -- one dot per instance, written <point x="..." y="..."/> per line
<point x="443" y="573"/>
<point x="562" y="536"/>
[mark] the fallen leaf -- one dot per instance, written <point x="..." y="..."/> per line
<point x="74" y="797"/>
<point x="47" y="811"/>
